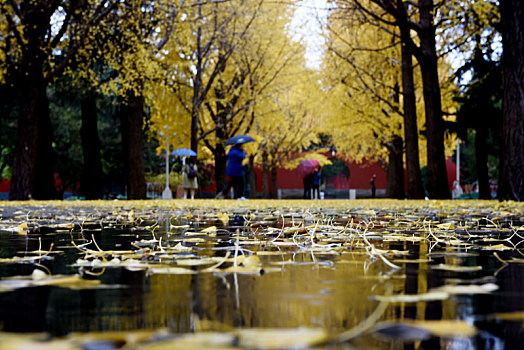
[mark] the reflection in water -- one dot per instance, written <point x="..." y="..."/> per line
<point x="324" y="288"/>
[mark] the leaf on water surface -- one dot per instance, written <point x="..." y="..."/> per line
<point x="280" y="338"/>
<point x="37" y="279"/>
<point x="170" y="271"/>
<point x="193" y="240"/>
<point x="497" y="247"/>
<point x="412" y="298"/>
<point x="420" y="330"/>
<point x="21" y="342"/>
<point x="411" y="261"/>
<point x="199" y="340"/>
<point x="198" y="261"/>
<point x="392" y="252"/>
<point x="250" y="261"/>
<point x="209" y="230"/>
<point x="446" y="226"/>
<point x="454" y="268"/>
<point x="224" y="218"/>
<point x="508" y="316"/>
<point x="467" y="289"/>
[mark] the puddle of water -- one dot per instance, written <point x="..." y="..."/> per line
<point x="296" y="285"/>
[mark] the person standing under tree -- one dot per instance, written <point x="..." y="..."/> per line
<point x="373" y="187"/>
<point x="316" y="184"/>
<point x="189" y="178"/>
<point x="234" y="173"/>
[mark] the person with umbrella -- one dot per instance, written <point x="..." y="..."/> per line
<point x="306" y="168"/>
<point x="189" y="177"/>
<point x="234" y="169"/>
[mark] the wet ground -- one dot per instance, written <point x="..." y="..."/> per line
<point x="263" y="274"/>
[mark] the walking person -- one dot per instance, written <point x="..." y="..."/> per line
<point x="308" y="184"/>
<point x="373" y="186"/>
<point x="234" y="173"/>
<point x="316" y="184"/>
<point x="189" y="178"/>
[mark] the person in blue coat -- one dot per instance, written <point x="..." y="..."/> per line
<point x="234" y="172"/>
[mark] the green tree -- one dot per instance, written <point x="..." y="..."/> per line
<point x="40" y="39"/>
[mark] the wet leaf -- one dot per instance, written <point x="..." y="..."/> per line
<point x="508" y="316"/>
<point x="200" y="340"/>
<point x="280" y="338"/>
<point x="468" y="289"/>
<point x="412" y="298"/>
<point x="420" y="330"/>
<point x="454" y="268"/>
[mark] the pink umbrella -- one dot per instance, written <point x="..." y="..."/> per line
<point x="307" y="166"/>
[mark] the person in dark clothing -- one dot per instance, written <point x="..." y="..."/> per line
<point x="234" y="173"/>
<point x="373" y="187"/>
<point x="308" y="184"/>
<point x="316" y="184"/>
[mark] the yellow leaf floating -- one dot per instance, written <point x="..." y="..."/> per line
<point x="224" y="218"/>
<point x="210" y="229"/>
<point x="439" y="328"/>
<point x="454" y="268"/>
<point x="412" y="298"/>
<point x="508" y="316"/>
<point x="497" y="247"/>
<point x="200" y="340"/>
<point x="22" y="229"/>
<point x="468" y="289"/>
<point x="278" y="338"/>
<point x="446" y="226"/>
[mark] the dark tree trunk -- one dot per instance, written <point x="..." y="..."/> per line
<point x="395" y="169"/>
<point x="437" y="175"/>
<point x="511" y="184"/>
<point x="132" y="116"/>
<point x="252" y="177"/>
<point x="274" y="182"/>
<point x="220" y="152"/>
<point x="265" y="175"/>
<point x="481" y="155"/>
<point x="415" y="190"/>
<point x="220" y="166"/>
<point x="91" y="186"/>
<point x="32" y="175"/>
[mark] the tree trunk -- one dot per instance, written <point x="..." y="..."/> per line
<point x="437" y="175"/>
<point x="413" y="173"/>
<point x="511" y="183"/>
<point x="265" y="175"/>
<point x="91" y="186"/>
<point x="274" y="182"/>
<point x="481" y="155"/>
<point x="252" y="177"/>
<point x="133" y="145"/>
<point x="395" y="169"/>
<point x="220" y="166"/>
<point x="32" y="175"/>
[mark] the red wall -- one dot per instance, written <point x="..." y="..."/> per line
<point x="4" y="185"/>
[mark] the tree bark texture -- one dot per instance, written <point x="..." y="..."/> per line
<point x="395" y="169"/>
<point x="252" y="177"/>
<point x="132" y="121"/>
<point x="437" y="175"/>
<point x="32" y="168"/>
<point x="481" y="155"/>
<point x="274" y="182"/>
<point x="91" y="186"/>
<point x="265" y="175"/>
<point x="511" y="183"/>
<point x="415" y="190"/>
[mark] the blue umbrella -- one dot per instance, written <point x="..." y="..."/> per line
<point x="183" y="152"/>
<point x="239" y="139"/>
